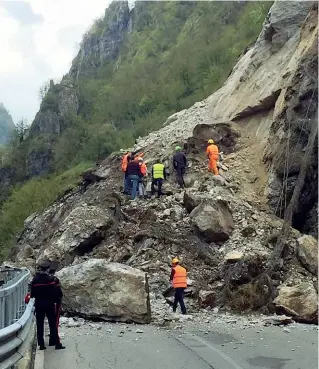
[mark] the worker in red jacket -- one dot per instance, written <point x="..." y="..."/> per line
<point x="179" y="280"/>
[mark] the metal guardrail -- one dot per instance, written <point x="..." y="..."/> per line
<point x="12" y="294"/>
<point x="16" y="317"/>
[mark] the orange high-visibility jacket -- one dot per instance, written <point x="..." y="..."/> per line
<point x="212" y="150"/>
<point x="125" y="162"/>
<point x="180" y="277"/>
<point x="139" y="155"/>
<point x="143" y="169"/>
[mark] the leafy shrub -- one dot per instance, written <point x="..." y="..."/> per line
<point x="33" y="196"/>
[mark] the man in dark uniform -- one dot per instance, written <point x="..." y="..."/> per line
<point x="42" y="290"/>
<point x="179" y="164"/>
<point x="57" y="299"/>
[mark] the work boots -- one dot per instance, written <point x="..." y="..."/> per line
<point x="59" y="346"/>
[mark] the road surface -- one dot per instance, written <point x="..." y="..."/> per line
<point x="118" y="346"/>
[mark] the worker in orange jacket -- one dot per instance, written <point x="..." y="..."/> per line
<point x="125" y="161"/>
<point x="179" y="280"/>
<point x="139" y="155"/>
<point x="141" y="186"/>
<point x="212" y="153"/>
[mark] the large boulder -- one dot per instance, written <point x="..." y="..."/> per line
<point x="110" y="291"/>
<point x="83" y="229"/>
<point x="191" y="200"/>
<point x="307" y="253"/>
<point x="213" y="220"/>
<point x="300" y="301"/>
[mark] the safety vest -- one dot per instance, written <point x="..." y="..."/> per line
<point x="180" y="277"/>
<point x="158" y="171"/>
<point x="143" y="169"/>
<point x="125" y="162"/>
<point x="212" y="150"/>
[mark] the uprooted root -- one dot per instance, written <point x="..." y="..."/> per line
<point x="248" y="287"/>
<point x="255" y="295"/>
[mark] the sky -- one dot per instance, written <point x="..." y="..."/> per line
<point x="38" y="40"/>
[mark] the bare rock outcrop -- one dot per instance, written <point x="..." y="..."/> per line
<point x="109" y="291"/>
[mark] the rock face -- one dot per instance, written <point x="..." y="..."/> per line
<point x="97" y="48"/>
<point x="307" y="252"/>
<point x="213" y="220"/>
<point x="81" y="230"/>
<point x="109" y="291"/>
<point x="301" y="301"/>
<point x="272" y="91"/>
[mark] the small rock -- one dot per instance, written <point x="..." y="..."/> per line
<point x="233" y="256"/>
<point x="139" y="331"/>
<point x="167" y="212"/>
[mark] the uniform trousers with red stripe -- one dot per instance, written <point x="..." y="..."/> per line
<point x="57" y="321"/>
<point x="45" y="308"/>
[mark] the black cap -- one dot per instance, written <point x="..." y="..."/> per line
<point x="54" y="265"/>
<point x="44" y="264"/>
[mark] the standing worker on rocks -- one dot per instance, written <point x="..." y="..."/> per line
<point x="179" y="280"/>
<point x="43" y="290"/>
<point x="141" y="185"/>
<point x="179" y="164"/>
<point x="58" y="300"/>
<point x="133" y="176"/>
<point x="124" y="164"/>
<point x="158" y="176"/>
<point x="212" y="153"/>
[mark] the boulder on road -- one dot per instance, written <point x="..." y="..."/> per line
<point x="110" y="291"/>
<point x="300" y="301"/>
<point x="213" y="220"/>
<point x="307" y="253"/>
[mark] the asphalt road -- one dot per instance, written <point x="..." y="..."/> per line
<point x="116" y="346"/>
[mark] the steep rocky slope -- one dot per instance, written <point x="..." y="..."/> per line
<point x="222" y="227"/>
